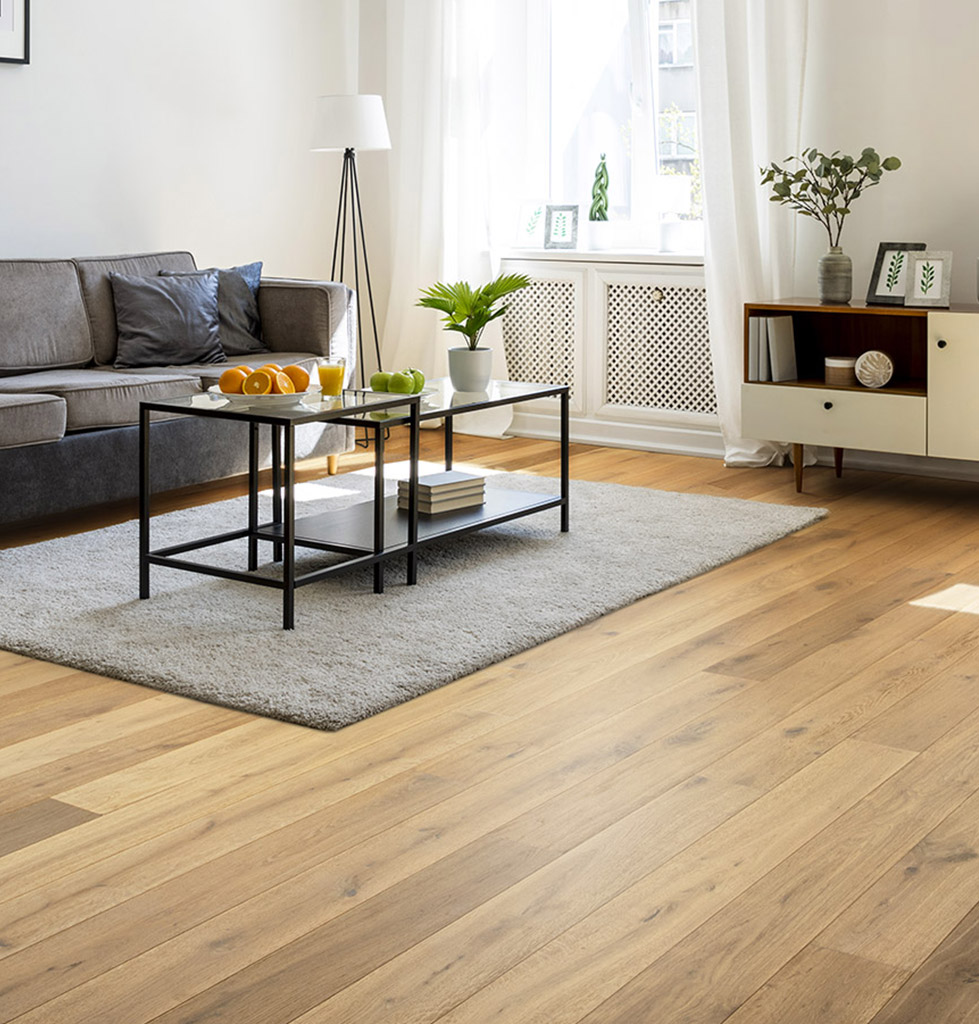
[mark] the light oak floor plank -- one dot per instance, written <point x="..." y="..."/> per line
<point x="753" y="797"/>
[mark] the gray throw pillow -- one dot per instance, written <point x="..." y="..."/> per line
<point x="239" y="323"/>
<point x="167" y="321"/>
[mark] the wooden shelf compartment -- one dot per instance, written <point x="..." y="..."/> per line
<point x="822" y="331"/>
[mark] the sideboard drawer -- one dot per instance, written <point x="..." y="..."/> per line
<point x="869" y="420"/>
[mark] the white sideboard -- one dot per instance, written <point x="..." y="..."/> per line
<point x="929" y="407"/>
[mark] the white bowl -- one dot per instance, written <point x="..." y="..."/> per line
<point x="270" y="401"/>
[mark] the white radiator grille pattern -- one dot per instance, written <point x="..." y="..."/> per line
<point x="539" y="333"/>
<point x="658" y="348"/>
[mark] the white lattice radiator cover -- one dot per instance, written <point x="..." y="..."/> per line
<point x="656" y="343"/>
<point x="658" y="354"/>
<point x="539" y="333"/>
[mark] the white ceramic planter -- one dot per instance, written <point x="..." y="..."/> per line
<point x="470" y="369"/>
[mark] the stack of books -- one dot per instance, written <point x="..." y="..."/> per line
<point x="444" y="492"/>
<point x="771" y="348"/>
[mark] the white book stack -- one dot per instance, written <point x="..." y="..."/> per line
<point x="444" y="492"/>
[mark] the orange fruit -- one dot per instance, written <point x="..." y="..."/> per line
<point x="298" y="376"/>
<point x="274" y="367"/>
<point x="232" y="379"/>
<point x="282" y="384"/>
<point x="257" y="383"/>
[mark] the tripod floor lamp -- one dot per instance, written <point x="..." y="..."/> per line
<point x="349" y="123"/>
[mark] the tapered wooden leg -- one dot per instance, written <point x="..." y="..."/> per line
<point x="797" y="452"/>
<point x="838" y="461"/>
<point x="332" y="464"/>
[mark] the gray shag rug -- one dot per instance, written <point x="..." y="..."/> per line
<point x="479" y="599"/>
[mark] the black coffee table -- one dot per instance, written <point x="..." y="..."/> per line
<point x="368" y="533"/>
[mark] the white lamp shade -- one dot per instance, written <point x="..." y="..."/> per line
<point x="350" y="122"/>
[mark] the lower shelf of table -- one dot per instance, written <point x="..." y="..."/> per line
<point x="352" y="529"/>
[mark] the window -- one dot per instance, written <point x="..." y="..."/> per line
<point x="675" y="42"/>
<point x="620" y="82"/>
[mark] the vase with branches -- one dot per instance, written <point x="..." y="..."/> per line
<point x="824" y="187"/>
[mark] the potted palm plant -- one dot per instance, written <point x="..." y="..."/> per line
<point x="467" y="311"/>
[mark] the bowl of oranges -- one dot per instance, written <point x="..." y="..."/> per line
<point x="269" y="384"/>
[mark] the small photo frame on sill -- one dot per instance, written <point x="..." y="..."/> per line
<point x="887" y="282"/>
<point x="15" y="18"/>
<point x="561" y="227"/>
<point x="530" y="226"/>
<point x="929" y="278"/>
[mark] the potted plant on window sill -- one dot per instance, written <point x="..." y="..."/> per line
<point x="600" y="229"/>
<point x="467" y="311"/>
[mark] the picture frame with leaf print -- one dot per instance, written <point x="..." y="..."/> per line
<point x="561" y="227"/>
<point x="887" y="282"/>
<point x="929" y="277"/>
<point x="15" y="33"/>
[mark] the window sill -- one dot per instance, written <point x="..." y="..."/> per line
<point x="685" y="259"/>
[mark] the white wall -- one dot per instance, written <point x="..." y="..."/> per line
<point x="901" y="77"/>
<point x="141" y="126"/>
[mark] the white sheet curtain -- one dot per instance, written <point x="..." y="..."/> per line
<point x="751" y="58"/>
<point x="456" y="105"/>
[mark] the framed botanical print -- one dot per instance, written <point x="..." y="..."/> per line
<point x="15" y="16"/>
<point x="929" y="279"/>
<point x="887" y="282"/>
<point x="561" y="227"/>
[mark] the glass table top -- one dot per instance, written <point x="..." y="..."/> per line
<point x="437" y="399"/>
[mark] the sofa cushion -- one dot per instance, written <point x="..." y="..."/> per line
<point x="167" y="320"/>
<point x="42" y="318"/>
<point x="93" y="275"/>
<point x="31" y="419"/>
<point x="240" y="326"/>
<point x="100" y="398"/>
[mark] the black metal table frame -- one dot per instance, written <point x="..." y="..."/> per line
<point x="281" y="530"/>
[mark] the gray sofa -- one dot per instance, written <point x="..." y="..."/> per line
<point x="68" y="417"/>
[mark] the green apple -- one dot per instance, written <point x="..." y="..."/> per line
<point x="380" y="381"/>
<point x="401" y="383"/>
<point x="419" y="379"/>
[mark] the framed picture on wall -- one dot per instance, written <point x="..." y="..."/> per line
<point x="887" y="282"/>
<point x="15" y="16"/>
<point x="929" y="279"/>
<point x="561" y="227"/>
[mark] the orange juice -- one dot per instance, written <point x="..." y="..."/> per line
<point x="331" y="378"/>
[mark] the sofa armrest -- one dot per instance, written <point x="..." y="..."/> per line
<point x="309" y="316"/>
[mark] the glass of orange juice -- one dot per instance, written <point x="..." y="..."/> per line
<point x="331" y="374"/>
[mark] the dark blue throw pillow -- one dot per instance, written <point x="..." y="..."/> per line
<point x="166" y="321"/>
<point x="240" y="326"/>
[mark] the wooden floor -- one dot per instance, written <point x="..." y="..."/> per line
<point x="753" y="798"/>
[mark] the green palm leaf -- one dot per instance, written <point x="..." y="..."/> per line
<point x="468" y="310"/>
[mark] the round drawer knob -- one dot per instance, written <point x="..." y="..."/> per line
<point x="942" y="344"/>
<point x="827" y="405"/>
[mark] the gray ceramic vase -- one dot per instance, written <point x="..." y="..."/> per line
<point x="835" y="277"/>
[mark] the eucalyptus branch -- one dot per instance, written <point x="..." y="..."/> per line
<point x="825" y="187"/>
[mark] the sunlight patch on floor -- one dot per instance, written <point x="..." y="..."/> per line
<point x="960" y="597"/>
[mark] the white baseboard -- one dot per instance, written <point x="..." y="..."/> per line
<point x="656" y="437"/>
